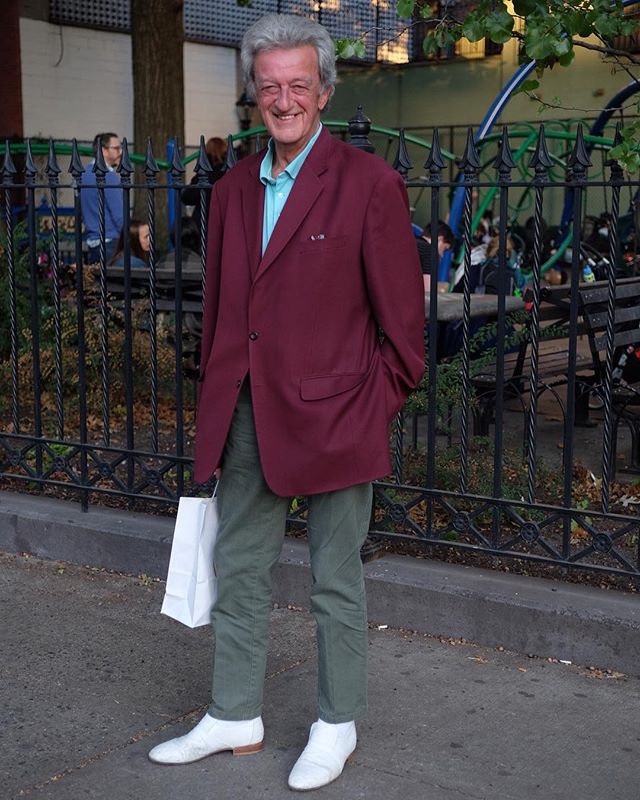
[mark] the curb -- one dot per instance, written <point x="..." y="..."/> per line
<point x="529" y="615"/>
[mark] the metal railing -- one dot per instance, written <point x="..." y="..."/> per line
<point x="98" y="361"/>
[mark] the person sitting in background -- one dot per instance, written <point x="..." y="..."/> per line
<point x="139" y="245"/>
<point x="216" y="149"/>
<point x="190" y="244"/>
<point x="423" y="242"/>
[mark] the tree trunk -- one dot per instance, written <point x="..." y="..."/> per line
<point x="157" y="41"/>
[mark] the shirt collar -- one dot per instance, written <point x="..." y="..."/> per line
<point x="293" y="168"/>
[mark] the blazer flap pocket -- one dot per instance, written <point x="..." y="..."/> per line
<point x="329" y="385"/>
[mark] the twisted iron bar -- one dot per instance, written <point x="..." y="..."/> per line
<point x="532" y="415"/>
<point x="13" y="321"/>
<point x="398" y="460"/>
<point x="104" y="318"/>
<point x="607" y="433"/>
<point x="466" y="351"/>
<point x="153" y="311"/>
<point x="57" y="313"/>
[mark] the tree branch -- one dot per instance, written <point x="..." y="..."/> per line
<point x="606" y="50"/>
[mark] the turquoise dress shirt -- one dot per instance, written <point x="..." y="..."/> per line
<point x="277" y="190"/>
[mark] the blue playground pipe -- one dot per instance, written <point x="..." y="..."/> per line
<point x="596" y="130"/>
<point x="494" y="112"/>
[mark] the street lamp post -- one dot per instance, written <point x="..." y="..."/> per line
<point x="244" y="108"/>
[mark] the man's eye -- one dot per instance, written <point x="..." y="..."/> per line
<point x="268" y="89"/>
<point x="299" y="88"/>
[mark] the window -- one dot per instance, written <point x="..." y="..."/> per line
<point x="629" y="43"/>
<point x="388" y="38"/>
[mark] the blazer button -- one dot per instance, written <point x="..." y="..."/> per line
<point x="253" y="335"/>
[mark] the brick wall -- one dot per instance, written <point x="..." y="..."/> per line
<point x="11" y="105"/>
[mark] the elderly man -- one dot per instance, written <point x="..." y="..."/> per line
<point x="312" y="340"/>
<point x="111" y="148"/>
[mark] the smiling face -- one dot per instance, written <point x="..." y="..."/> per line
<point x="289" y="98"/>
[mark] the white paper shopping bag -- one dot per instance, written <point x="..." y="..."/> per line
<point x="191" y="581"/>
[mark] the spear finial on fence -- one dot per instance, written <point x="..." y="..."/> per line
<point x="100" y="167"/>
<point x="617" y="173"/>
<point x="30" y="170"/>
<point x="75" y="165"/>
<point x="579" y="160"/>
<point x="504" y="162"/>
<point x="52" y="169"/>
<point x="203" y="170"/>
<point x="8" y="167"/>
<point x="176" y="170"/>
<point x="125" y="167"/>
<point x="470" y="161"/>
<point x="435" y="163"/>
<point x="402" y="162"/>
<point x="150" y="168"/>
<point x="231" y="159"/>
<point x="541" y="161"/>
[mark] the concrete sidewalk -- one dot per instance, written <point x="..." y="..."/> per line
<point x="530" y="615"/>
<point x="92" y="676"/>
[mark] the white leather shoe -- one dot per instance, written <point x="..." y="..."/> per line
<point x="211" y="736"/>
<point x="325" y="755"/>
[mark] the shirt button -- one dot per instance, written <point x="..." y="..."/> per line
<point x="253" y="336"/>
<point x="238" y="384"/>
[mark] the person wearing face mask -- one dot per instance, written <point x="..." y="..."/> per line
<point x="111" y="148"/>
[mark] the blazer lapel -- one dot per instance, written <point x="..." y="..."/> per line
<point x="252" y="215"/>
<point x="306" y="188"/>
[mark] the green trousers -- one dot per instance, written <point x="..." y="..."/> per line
<point x="250" y="538"/>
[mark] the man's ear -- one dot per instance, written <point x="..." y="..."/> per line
<point x="324" y="99"/>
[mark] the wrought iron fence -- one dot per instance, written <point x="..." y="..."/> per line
<point x="515" y="443"/>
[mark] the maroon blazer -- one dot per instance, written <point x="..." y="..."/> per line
<point x="303" y="320"/>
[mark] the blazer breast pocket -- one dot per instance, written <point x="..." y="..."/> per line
<point x="320" y="246"/>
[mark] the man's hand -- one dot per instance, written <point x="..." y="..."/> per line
<point x="217" y="473"/>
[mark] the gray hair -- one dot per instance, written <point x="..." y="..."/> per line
<point x="284" y="32"/>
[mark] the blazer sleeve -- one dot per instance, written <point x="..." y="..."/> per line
<point x="212" y="282"/>
<point x="395" y="286"/>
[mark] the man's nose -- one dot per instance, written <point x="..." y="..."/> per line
<point x="283" y="100"/>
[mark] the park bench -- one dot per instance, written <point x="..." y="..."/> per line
<point x="625" y="396"/>
<point x="165" y="292"/>
<point x="554" y="355"/>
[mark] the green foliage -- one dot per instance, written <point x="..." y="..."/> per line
<point x="552" y="31"/>
<point x="481" y="472"/>
<point x="405" y="8"/>
<point x="68" y="331"/>
<point x="350" y="48"/>
<point x="628" y="151"/>
<point x="22" y="271"/>
<point x="449" y="379"/>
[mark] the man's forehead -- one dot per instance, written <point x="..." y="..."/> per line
<point x="302" y="58"/>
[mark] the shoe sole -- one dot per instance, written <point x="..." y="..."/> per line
<point x="319" y="786"/>
<point x="244" y="750"/>
<point x="248" y="749"/>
